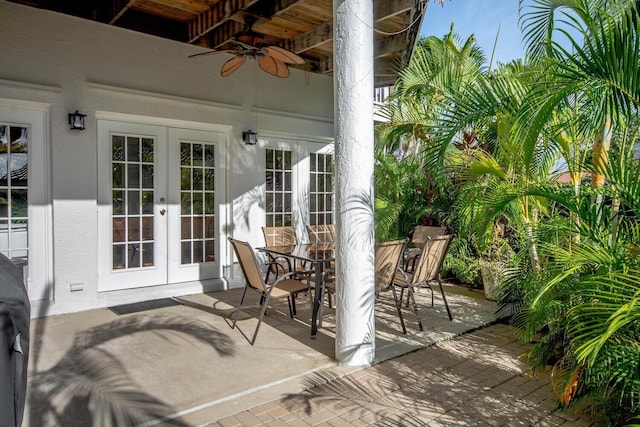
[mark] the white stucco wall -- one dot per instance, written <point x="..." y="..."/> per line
<point x="60" y="64"/>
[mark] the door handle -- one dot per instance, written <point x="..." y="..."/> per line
<point x="163" y="211"/>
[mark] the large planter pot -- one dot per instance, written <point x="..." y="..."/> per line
<point x="491" y="273"/>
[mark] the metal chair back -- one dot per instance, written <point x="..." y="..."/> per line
<point x="388" y="256"/>
<point x="323" y="233"/>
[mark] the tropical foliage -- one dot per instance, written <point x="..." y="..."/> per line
<point x="488" y="147"/>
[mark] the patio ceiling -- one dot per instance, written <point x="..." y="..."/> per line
<point x="302" y="26"/>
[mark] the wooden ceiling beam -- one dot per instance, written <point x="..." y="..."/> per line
<point x="220" y="35"/>
<point x="216" y="16"/>
<point x="387" y="67"/>
<point x="281" y="6"/>
<point x="326" y="65"/>
<point x="386" y="9"/>
<point x="389" y="45"/>
<point x="223" y="34"/>
<point x="119" y="8"/>
<point x="321" y="34"/>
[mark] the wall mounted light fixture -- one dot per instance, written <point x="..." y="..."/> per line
<point x="249" y="137"/>
<point x="76" y="120"/>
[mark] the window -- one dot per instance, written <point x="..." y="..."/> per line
<point x="197" y="202"/>
<point x="321" y="189"/>
<point x="279" y="188"/>
<point x="132" y="176"/>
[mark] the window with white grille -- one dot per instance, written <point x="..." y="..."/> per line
<point x="279" y="188"/>
<point x="321" y="189"/>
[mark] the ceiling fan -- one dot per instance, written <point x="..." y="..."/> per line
<point x="249" y="44"/>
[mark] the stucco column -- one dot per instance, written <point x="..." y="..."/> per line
<point x="353" y="98"/>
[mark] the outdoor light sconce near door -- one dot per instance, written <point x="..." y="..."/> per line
<point x="249" y="137"/>
<point x="76" y="120"/>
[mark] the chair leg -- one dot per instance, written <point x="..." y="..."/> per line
<point x="398" y="308"/>
<point x="235" y="315"/>
<point x="415" y="307"/>
<point x="262" y="312"/>
<point x="444" y="298"/>
<point x="293" y="305"/>
<point x="427" y="285"/>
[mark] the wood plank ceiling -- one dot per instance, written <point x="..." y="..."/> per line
<point x="302" y="26"/>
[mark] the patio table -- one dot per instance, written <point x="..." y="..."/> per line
<point x="318" y="254"/>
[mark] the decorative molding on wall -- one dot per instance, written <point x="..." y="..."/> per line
<point x="161" y="121"/>
<point x="290" y="114"/>
<point x="14" y="84"/>
<point x="158" y="95"/>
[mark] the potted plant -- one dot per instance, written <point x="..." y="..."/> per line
<point x="494" y="259"/>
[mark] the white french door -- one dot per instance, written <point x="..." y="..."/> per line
<point x="24" y="196"/>
<point x="159" y="197"/>
<point x="298" y="184"/>
<point x="197" y="193"/>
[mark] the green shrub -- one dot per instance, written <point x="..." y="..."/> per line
<point x="463" y="269"/>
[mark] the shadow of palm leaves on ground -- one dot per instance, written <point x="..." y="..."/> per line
<point x="393" y="402"/>
<point x="91" y="386"/>
<point x="439" y="383"/>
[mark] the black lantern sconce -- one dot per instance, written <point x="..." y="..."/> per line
<point x="249" y="137"/>
<point x="76" y="120"/>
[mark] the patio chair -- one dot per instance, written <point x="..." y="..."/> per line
<point x="281" y="236"/>
<point x="322" y="233"/>
<point x="284" y="287"/>
<point x="387" y="262"/>
<point x="426" y="271"/>
<point x="420" y="235"/>
<point x="388" y="257"/>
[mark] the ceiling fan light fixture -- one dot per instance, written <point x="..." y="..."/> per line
<point x="274" y="60"/>
<point x="250" y="37"/>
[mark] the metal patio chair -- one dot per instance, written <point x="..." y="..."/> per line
<point x="282" y="236"/>
<point x="420" y="235"/>
<point x="387" y="262"/>
<point x="426" y="271"/>
<point x="284" y="287"/>
<point x="322" y="233"/>
<point x="388" y="259"/>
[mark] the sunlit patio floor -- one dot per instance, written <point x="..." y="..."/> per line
<point x="184" y="364"/>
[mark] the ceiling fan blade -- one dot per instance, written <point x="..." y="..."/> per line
<point x="232" y="65"/>
<point x="212" y="52"/>
<point x="283" y="55"/>
<point x="273" y="66"/>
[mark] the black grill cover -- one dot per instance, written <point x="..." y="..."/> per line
<point x="14" y="343"/>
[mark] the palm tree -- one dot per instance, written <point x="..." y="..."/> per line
<point x="586" y="298"/>
<point x="599" y="72"/>
<point x="438" y="68"/>
<point x="406" y="179"/>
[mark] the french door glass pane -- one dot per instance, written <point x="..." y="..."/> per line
<point x="132" y="208"/>
<point x="197" y="202"/>
<point x="14" y="191"/>
<point x="321" y="189"/>
<point x="279" y="187"/>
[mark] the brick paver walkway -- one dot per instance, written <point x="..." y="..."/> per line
<point x="472" y="380"/>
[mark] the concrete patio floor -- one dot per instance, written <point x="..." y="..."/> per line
<point x="183" y="364"/>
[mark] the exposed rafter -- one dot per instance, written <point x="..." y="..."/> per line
<point x="217" y="15"/>
<point x="119" y="8"/>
